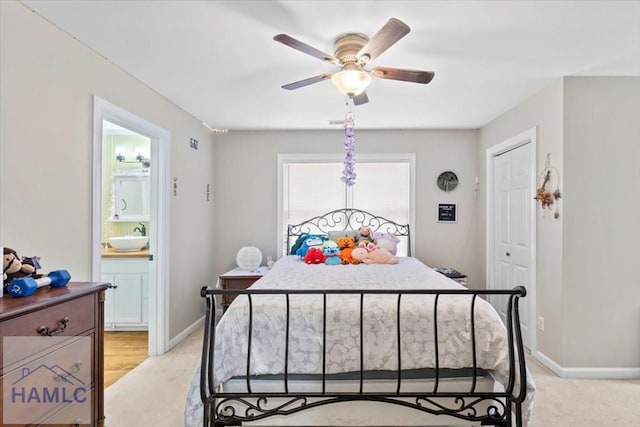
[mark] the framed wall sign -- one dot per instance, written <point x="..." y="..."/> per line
<point x="446" y="212"/>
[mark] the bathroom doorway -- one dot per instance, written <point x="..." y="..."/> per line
<point x="130" y="218"/>
<point x="126" y="164"/>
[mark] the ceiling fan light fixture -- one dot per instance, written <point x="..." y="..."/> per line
<point x="351" y="82"/>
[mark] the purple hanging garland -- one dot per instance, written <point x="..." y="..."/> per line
<point x="349" y="172"/>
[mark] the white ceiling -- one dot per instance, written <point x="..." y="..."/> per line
<point x="217" y="59"/>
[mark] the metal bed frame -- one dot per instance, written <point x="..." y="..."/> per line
<point x="348" y="219"/>
<point x="498" y="408"/>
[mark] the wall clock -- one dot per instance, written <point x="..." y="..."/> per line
<point x="447" y="181"/>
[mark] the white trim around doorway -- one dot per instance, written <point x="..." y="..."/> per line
<point x="159" y="224"/>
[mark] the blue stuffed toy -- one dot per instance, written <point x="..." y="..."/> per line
<point x="332" y="253"/>
<point x="309" y="242"/>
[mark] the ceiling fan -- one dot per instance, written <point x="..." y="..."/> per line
<point x="352" y="53"/>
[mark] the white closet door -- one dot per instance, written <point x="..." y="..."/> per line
<point x="512" y="198"/>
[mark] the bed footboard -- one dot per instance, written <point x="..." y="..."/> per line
<point x="475" y="405"/>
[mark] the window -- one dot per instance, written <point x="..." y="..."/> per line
<point x="309" y="185"/>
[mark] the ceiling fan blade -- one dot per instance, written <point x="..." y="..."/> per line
<point x="414" y="76"/>
<point x="305" y="48"/>
<point x="307" y="82"/>
<point x="386" y="37"/>
<point x="360" y="99"/>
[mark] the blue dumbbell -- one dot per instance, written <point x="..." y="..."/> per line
<point x="25" y="286"/>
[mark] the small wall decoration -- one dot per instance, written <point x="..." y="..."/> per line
<point x="349" y="172"/>
<point x="447" y="181"/>
<point x="446" y="212"/>
<point x="548" y="193"/>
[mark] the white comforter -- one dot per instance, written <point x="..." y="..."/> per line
<point x="343" y="325"/>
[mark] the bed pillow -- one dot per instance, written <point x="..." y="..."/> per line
<point x="336" y="234"/>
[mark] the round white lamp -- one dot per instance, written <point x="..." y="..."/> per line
<point x="249" y="258"/>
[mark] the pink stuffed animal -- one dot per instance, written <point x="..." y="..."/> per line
<point x="376" y="255"/>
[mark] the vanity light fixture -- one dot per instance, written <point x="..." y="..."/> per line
<point x="145" y="161"/>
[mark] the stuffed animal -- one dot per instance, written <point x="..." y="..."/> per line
<point x="387" y="241"/>
<point x="365" y="235"/>
<point x="331" y="253"/>
<point x="376" y="255"/>
<point x="13" y="267"/>
<point x="309" y="242"/>
<point x="314" y="256"/>
<point x="346" y="245"/>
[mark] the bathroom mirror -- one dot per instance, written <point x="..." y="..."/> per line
<point x="130" y="198"/>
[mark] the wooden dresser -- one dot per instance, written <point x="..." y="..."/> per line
<point x="55" y="375"/>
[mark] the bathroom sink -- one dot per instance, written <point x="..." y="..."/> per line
<point x="128" y="243"/>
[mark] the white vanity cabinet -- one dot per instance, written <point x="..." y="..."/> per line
<point x="126" y="303"/>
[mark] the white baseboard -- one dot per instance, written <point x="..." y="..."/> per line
<point x="588" y="373"/>
<point x="182" y="335"/>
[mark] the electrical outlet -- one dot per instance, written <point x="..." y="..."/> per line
<point x="541" y="323"/>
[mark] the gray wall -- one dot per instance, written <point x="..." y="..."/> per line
<point x="246" y="188"/>
<point x="588" y="282"/>
<point x="601" y="276"/>
<point x="47" y="83"/>
<point x="543" y="111"/>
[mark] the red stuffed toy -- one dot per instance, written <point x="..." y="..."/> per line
<point x="314" y="256"/>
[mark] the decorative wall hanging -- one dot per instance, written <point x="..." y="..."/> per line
<point x="349" y="172"/>
<point x="548" y="192"/>
<point x="447" y="181"/>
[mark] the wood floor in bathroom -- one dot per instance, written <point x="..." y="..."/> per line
<point x="123" y="351"/>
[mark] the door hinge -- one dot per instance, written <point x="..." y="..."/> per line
<point x="150" y="257"/>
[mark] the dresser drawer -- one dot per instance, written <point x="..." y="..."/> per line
<point x="67" y="416"/>
<point x="67" y="319"/>
<point x="72" y="415"/>
<point x="80" y="313"/>
<point x="45" y="386"/>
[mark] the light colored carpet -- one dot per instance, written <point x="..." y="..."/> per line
<point x="153" y="394"/>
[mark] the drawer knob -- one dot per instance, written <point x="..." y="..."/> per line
<point x="74" y="371"/>
<point x="44" y="330"/>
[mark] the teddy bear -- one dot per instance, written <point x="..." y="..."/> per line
<point x="373" y="255"/>
<point x="346" y="245"/>
<point x="13" y="267"/>
<point x="314" y="256"/>
<point x="365" y="235"/>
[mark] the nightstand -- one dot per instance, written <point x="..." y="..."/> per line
<point x="453" y="275"/>
<point x="238" y="279"/>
